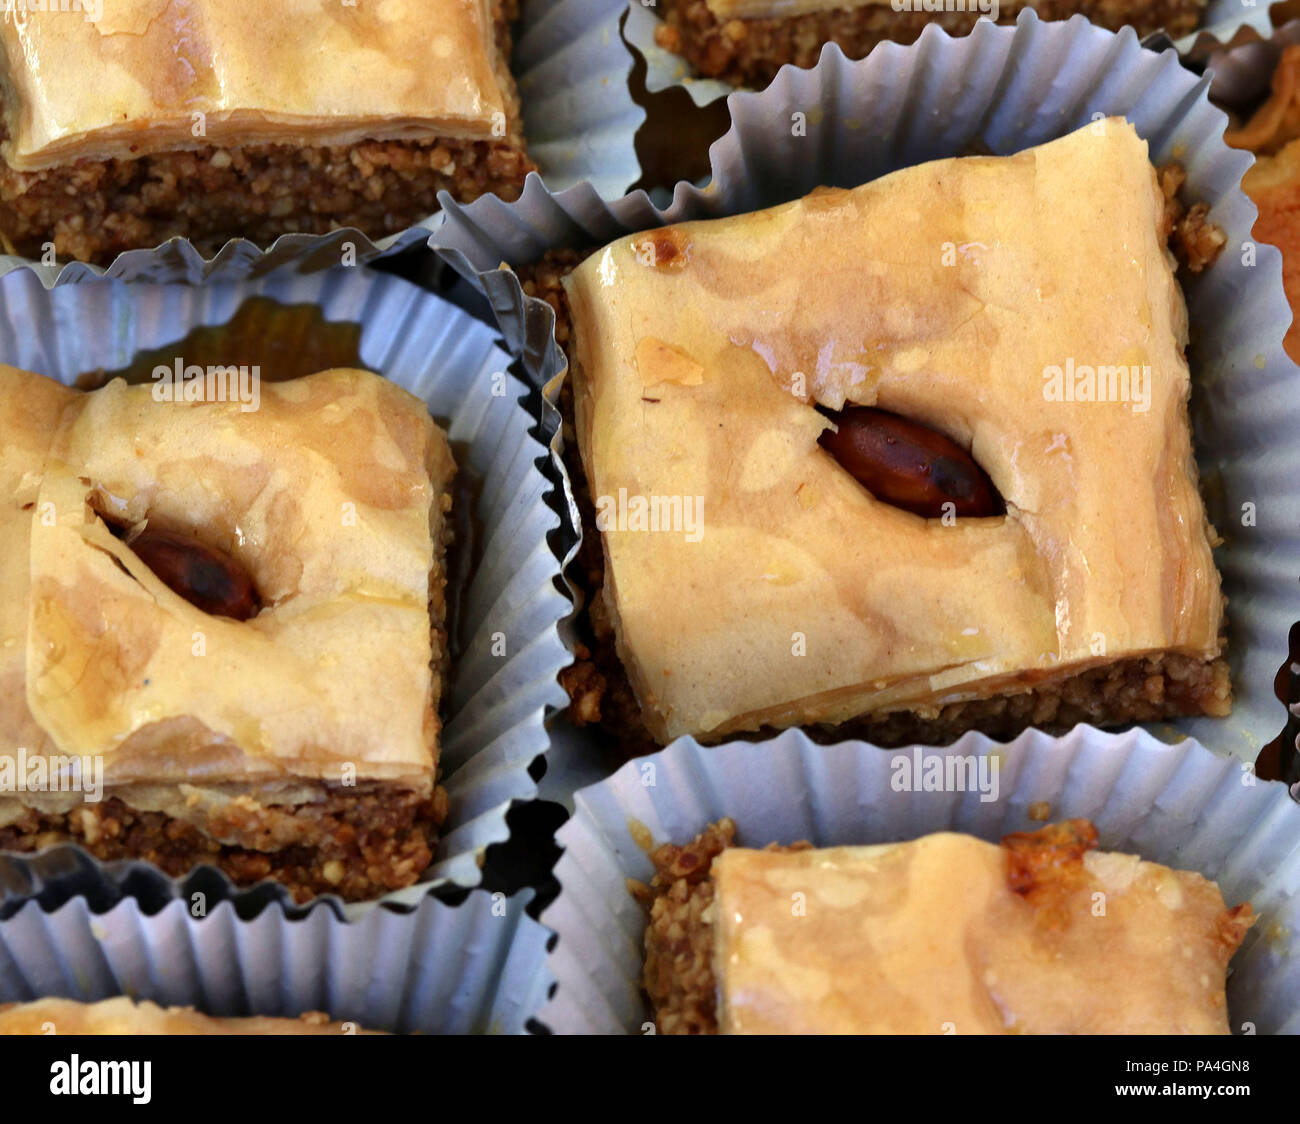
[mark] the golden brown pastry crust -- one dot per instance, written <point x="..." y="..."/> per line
<point x="30" y="409"/>
<point x="297" y="148"/>
<point x="301" y="743"/>
<point x="324" y="494"/>
<point x="874" y="940"/>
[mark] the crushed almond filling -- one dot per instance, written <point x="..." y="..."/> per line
<point x="358" y="845"/>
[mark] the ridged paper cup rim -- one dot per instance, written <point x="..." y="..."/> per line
<point x="496" y="706"/>
<point x="1223" y="23"/>
<point x="1180" y="805"/>
<point x="1008" y="88"/>
<point x="579" y="123"/>
<point x="477" y="967"/>
<point x="1227" y="23"/>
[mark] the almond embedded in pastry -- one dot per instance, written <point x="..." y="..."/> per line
<point x="908" y="465"/>
<point x="323" y="495"/>
<point x="208" y="578"/>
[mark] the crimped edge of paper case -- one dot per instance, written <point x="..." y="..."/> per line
<point x="478" y="967"/>
<point x="1226" y="23"/>
<point x="1179" y="805"/>
<point x="496" y="709"/>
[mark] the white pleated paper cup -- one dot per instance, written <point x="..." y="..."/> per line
<point x="1227" y="23"/>
<point x="473" y="968"/>
<point x="1006" y="88"/>
<point x="1223" y="22"/>
<point x="664" y="69"/>
<point x="1179" y="805"/>
<point x="496" y="705"/>
<point x="579" y="124"/>
<point x="580" y="120"/>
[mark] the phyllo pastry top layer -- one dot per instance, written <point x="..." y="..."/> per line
<point x="158" y="75"/>
<point x="30" y="409"/>
<point x="949" y="934"/>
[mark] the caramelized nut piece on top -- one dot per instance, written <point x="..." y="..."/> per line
<point x="207" y="578"/>
<point x="907" y="465"/>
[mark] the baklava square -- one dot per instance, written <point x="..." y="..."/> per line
<point x="234" y="618"/>
<point x="134" y="121"/>
<point x="903" y="460"/>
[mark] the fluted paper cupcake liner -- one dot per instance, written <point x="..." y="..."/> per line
<point x="665" y="69"/>
<point x="1007" y="88"/>
<point x="477" y="967"/>
<point x="580" y="125"/>
<point x="1228" y="23"/>
<point x="496" y="706"/>
<point x="1223" y="22"/>
<point x="1179" y="805"/>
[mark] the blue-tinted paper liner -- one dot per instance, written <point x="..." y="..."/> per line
<point x="1179" y="805"/>
<point x="1007" y="88"/>
<point x="476" y="967"/>
<point x="497" y="706"/>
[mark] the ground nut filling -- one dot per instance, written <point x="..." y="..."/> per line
<point x="358" y="846"/>
<point x="679" y="972"/>
<point x="92" y="211"/>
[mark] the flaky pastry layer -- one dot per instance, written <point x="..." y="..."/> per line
<point x="1047" y="936"/>
<point x="333" y="496"/>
